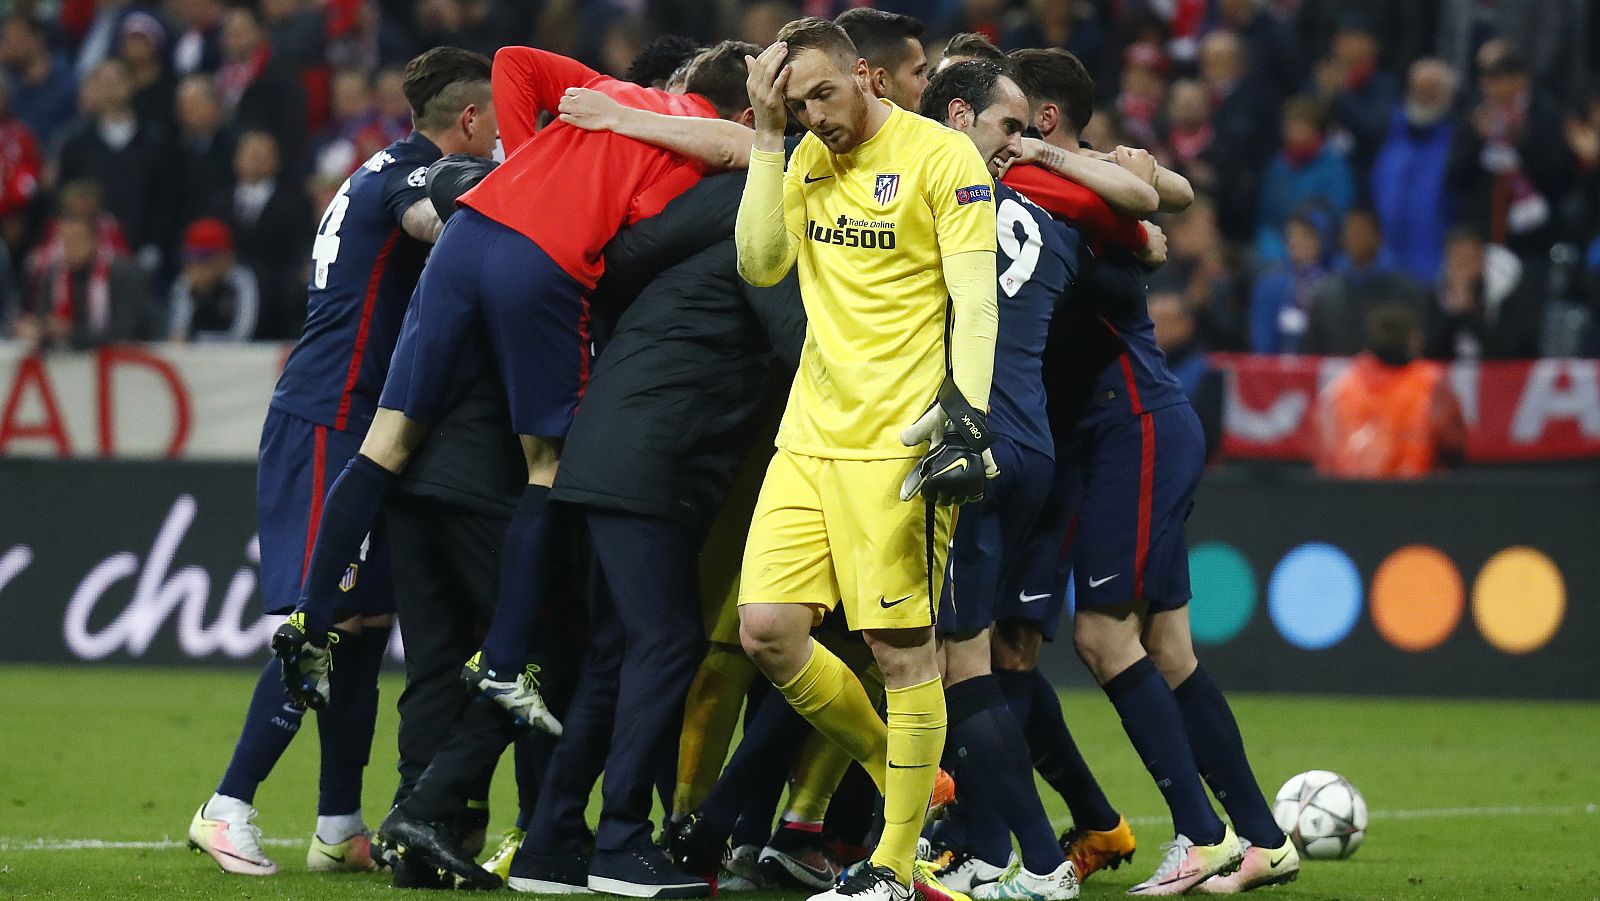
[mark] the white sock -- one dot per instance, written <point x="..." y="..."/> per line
<point x="335" y="829"/>
<point x="226" y="808"/>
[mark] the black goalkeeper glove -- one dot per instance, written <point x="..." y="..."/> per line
<point x="958" y="461"/>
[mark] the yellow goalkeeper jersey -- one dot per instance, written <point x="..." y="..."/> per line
<point x="873" y="226"/>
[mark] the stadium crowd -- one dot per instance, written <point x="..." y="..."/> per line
<point x="160" y="162"/>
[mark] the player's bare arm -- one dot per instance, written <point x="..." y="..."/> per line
<point x="421" y="221"/>
<point x="1173" y="189"/>
<point x="1122" y="189"/>
<point x="715" y="142"/>
<point x="766" y="248"/>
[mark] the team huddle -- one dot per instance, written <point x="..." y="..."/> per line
<point x="549" y="391"/>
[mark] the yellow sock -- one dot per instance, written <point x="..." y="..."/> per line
<point x="822" y="764"/>
<point x="817" y="772"/>
<point x="831" y="698"/>
<point x="710" y="714"/>
<point x="916" y="741"/>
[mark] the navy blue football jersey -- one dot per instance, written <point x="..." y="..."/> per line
<point x="1037" y="263"/>
<point x="363" y="269"/>
<point x="1102" y="358"/>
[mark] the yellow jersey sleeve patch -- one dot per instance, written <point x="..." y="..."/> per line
<point x="960" y="192"/>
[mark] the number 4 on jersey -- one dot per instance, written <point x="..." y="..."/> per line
<point x="325" y="249"/>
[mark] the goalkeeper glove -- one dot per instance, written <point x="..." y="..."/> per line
<point x="958" y="461"/>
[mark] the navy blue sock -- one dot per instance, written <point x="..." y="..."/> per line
<point x="1151" y="718"/>
<point x="1018" y="687"/>
<point x="754" y="776"/>
<point x="523" y="575"/>
<point x="345" y="726"/>
<point x="950" y="830"/>
<point x="348" y="514"/>
<point x="993" y="763"/>
<point x="1219" y="752"/>
<point x="269" y="725"/>
<point x="1060" y="763"/>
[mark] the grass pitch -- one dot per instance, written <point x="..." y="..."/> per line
<point x="103" y="767"/>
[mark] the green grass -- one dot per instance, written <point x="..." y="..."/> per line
<point x="127" y="754"/>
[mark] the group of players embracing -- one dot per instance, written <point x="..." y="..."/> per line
<point x="949" y="287"/>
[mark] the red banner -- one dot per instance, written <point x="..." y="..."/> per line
<point x="1515" y="410"/>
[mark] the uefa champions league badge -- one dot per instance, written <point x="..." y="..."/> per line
<point x="884" y="189"/>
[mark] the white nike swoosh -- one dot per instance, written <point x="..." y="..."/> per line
<point x="1096" y="583"/>
<point x="1026" y="598"/>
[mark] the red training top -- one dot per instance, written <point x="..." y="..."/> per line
<point x="570" y="190"/>
<point x="1099" y="224"/>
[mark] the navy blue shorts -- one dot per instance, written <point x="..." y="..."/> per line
<point x="1139" y="477"/>
<point x="1044" y="588"/>
<point x="297" y="465"/>
<point x="489" y="290"/>
<point x="986" y="547"/>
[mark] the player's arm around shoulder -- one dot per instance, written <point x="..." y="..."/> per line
<point x="766" y="232"/>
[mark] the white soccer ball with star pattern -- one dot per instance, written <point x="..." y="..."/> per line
<point x="1324" y="815"/>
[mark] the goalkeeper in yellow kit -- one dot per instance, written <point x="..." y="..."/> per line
<point x="890" y="217"/>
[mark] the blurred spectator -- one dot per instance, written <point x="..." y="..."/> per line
<point x="353" y="130"/>
<point x="1550" y="32"/>
<point x="143" y="51"/>
<point x="1510" y="160"/>
<point x="1408" y="28"/>
<point x="11" y="299"/>
<point x="272" y="225"/>
<point x="759" y="22"/>
<point x="44" y="88"/>
<point x="1199" y="271"/>
<point x="1243" y="121"/>
<point x="85" y="295"/>
<point x="198" y="46"/>
<point x="983" y="17"/>
<point x="214" y="298"/>
<point x="1068" y="25"/>
<point x="262" y="93"/>
<point x="1282" y="295"/>
<point x="1308" y="170"/>
<point x="1189" y="136"/>
<point x="1581" y="215"/>
<point x="20" y="167"/>
<point x="1337" y="321"/>
<point x="1389" y="415"/>
<point x="296" y="32"/>
<point x="1486" y="307"/>
<point x="105" y="32"/>
<point x="1186" y="357"/>
<point x="1359" y="95"/>
<point x="477" y="25"/>
<point x="130" y="159"/>
<point x="394" y="112"/>
<point x="1272" y="46"/>
<point x="624" y="38"/>
<point x="81" y="199"/>
<point x="204" y="152"/>
<point x="1144" y="92"/>
<point x="1408" y="177"/>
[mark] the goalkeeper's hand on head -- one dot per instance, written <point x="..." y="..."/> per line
<point x="958" y="461"/>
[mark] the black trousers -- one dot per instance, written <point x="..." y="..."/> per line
<point x="652" y="575"/>
<point x="447" y="578"/>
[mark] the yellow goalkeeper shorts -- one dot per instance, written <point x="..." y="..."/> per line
<point x="829" y="532"/>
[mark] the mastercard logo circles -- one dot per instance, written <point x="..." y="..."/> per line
<point x="1417" y="598"/>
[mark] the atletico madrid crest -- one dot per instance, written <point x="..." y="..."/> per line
<point x="884" y="189"/>
<point x="347" y="582"/>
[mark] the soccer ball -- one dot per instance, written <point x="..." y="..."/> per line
<point x="1324" y="815"/>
